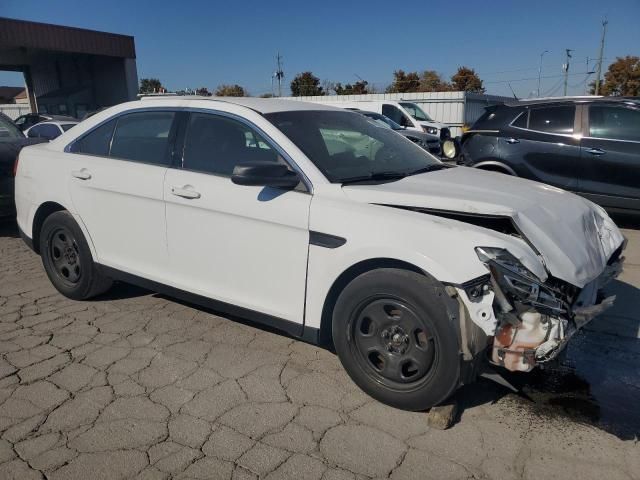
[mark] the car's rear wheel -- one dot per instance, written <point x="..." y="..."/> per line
<point x="395" y="339"/>
<point x="67" y="258"/>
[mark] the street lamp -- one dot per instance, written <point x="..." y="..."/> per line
<point x="540" y="70"/>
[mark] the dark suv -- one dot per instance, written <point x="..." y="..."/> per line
<point x="589" y="145"/>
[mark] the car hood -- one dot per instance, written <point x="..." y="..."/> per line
<point x="574" y="237"/>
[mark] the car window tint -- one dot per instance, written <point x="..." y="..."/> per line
<point x="553" y="119"/>
<point x="97" y="141"/>
<point x="67" y="126"/>
<point x="48" y="131"/>
<point x="143" y="137"/>
<point x="618" y="123"/>
<point x="8" y="131"/>
<point x="216" y="144"/>
<point x="521" y="121"/>
<point x="393" y="113"/>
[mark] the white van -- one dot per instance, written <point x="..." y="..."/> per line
<point x="407" y="114"/>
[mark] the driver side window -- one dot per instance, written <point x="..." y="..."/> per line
<point x="395" y="114"/>
<point x="216" y="144"/>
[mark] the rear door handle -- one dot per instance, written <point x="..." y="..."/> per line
<point x="185" y="192"/>
<point x="512" y="140"/>
<point x="596" y="151"/>
<point x="82" y="174"/>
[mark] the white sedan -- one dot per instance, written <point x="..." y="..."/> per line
<point x="323" y="224"/>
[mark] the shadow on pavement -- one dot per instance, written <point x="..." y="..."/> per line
<point x="8" y="228"/>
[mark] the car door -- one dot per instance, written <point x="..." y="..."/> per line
<point x="242" y="245"/>
<point x="610" y="155"/>
<point x="116" y="184"/>
<point x="540" y="145"/>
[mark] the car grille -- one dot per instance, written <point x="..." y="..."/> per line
<point x="444" y="133"/>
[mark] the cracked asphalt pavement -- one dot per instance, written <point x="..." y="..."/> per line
<point x="137" y="385"/>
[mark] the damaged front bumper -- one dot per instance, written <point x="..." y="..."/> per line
<point x="531" y="328"/>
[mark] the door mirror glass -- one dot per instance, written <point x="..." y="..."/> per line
<point x="264" y="174"/>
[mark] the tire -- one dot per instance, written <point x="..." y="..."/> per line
<point x="67" y="258"/>
<point x="395" y="339"/>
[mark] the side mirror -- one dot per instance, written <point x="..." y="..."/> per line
<point x="264" y="174"/>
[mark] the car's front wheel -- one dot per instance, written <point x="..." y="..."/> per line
<point x="67" y="258"/>
<point x="395" y="339"/>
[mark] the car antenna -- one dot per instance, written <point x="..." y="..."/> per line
<point x="514" y="93"/>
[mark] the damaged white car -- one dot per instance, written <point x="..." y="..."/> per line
<point x="318" y="222"/>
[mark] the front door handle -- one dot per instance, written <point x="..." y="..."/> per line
<point x="185" y="192"/>
<point x="82" y="174"/>
<point x="596" y="151"/>
<point x="512" y="140"/>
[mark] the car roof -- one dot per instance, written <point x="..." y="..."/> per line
<point x="575" y="99"/>
<point x="261" y="105"/>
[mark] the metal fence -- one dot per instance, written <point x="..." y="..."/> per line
<point x="14" y="110"/>
<point x="453" y="108"/>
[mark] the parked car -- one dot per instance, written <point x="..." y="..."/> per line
<point x="589" y="145"/>
<point x="11" y="141"/>
<point x="417" y="273"/>
<point x="405" y="114"/>
<point x="50" y="130"/>
<point x="431" y="143"/>
<point x="28" y="120"/>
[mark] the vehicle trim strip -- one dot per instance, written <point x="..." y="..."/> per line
<point x="298" y="330"/>
<point x="325" y="240"/>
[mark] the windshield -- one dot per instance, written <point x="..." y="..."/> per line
<point x="8" y="131"/>
<point x="346" y="145"/>
<point x="67" y="126"/>
<point x="379" y="118"/>
<point x="416" y="112"/>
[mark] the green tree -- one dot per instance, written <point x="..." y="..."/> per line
<point x="305" y="84"/>
<point x="361" y="87"/>
<point x="404" y="82"/>
<point x="466" y="80"/>
<point x="203" y="91"/>
<point x="431" y="81"/>
<point x="150" y="85"/>
<point x="234" y="90"/>
<point x="622" y="78"/>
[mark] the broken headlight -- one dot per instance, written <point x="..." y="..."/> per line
<point x="517" y="282"/>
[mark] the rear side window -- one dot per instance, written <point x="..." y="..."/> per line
<point x="617" y="123"/>
<point x="521" y="121"/>
<point x="97" y="141"/>
<point x="44" y="131"/>
<point x="395" y="114"/>
<point x="216" y="144"/>
<point x="143" y="137"/>
<point x="557" y="120"/>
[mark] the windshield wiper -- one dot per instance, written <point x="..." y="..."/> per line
<point x="373" y="177"/>
<point x="428" y="168"/>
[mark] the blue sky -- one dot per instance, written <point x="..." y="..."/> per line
<point x="193" y="43"/>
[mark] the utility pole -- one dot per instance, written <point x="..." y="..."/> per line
<point x="599" y="70"/>
<point x="540" y="71"/>
<point x="566" y="70"/>
<point x="279" y="74"/>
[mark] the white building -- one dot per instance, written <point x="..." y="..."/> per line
<point x="453" y="108"/>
